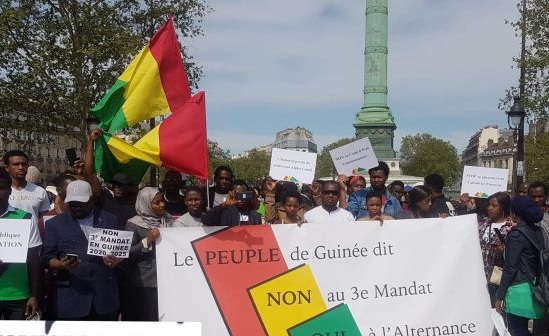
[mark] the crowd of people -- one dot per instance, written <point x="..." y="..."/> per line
<point x="60" y="281"/>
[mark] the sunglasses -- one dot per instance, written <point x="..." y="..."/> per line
<point x="330" y="192"/>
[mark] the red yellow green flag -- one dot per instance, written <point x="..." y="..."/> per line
<point x="155" y="83"/>
<point x="178" y="143"/>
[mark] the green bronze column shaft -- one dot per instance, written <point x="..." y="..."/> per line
<point x="375" y="120"/>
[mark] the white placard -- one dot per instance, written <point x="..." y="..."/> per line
<point x="483" y="182"/>
<point x="354" y="158"/>
<point x="14" y="240"/>
<point x="95" y="328"/>
<point x="392" y="278"/>
<point x="294" y="166"/>
<point x="103" y="242"/>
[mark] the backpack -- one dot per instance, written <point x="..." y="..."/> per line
<point x="541" y="286"/>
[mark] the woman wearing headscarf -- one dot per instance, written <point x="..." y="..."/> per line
<point x="141" y="264"/>
<point x="515" y="294"/>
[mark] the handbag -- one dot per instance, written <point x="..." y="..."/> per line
<point x="495" y="275"/>
<point x="520" y="301"/>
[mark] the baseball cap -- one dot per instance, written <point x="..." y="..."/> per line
<point x="78" y="191"/>
<point x="122" y="178"/>
<point x="408" y="187"/>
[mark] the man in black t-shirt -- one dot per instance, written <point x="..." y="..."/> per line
<point x="440" y="204"/>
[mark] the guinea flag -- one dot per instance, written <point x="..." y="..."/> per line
<point x="155" y="83"/>
<point x="178" y="143"/>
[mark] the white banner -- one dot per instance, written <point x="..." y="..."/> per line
<point x="103" y="242"/>
<point x="14" y="240"/>
<point x="95" y="328"/>
<point x="354" y="158"/>
<point x="289" y="165"/>
<point x="483" y="182"/>
<point x="407" y="277"/>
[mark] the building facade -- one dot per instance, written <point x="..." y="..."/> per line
<point x="298" y="139"/>
<point x="477" y="144"/>
<point x="46" y="151"/>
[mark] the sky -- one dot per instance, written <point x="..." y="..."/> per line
<point x="271" y="65"/>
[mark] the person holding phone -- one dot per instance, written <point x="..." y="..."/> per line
<point x="238" y="209"/>
<point x="86" y="285"/>
<point x="492" y="245"/>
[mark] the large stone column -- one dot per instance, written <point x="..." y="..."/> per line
<point x="375" y="120"/>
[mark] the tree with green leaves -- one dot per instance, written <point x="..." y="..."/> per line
<point x="535" y="64"/>
<point x="423" y="154"/>
<point x="536" y="154"/>
<point x="253" y="166"/>
<point x="324" y="164"/>
<point x="217" y="156"/>
<point x="58" y="57"/>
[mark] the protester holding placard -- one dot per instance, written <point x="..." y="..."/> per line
<point x="237" y="209"/>
<point x="348" y="186"/>
<point x="378" y="176"/>
<point x="141" y="265"/>
<point x="86" y="285"/>
<point x="19" y="282"/>
<point x="420" y="204"/>
<point x="515" y="294"/>
<point x="492" y="243"/>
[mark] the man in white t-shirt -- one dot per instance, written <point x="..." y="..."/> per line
<point x="329" y="212"/>
<point x="24" y="195"/>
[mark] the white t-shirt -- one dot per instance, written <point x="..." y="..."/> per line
<point x="187" y="221"/>
<point x="219" y="199"/>
<point x="34" y="235"/>
<point x="320" y="215"/>
<point x="32" y="198"/>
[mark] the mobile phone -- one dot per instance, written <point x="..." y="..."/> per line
<point x="500" y="235"/>
<point x="72" y="257"/>
<point x="71" y="155"/>
<point x="244" y="196"/>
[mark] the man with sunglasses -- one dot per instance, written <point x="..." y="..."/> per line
<point x="329" y="212"/>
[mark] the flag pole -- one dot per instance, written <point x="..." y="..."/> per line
<point x="208" y="194"/>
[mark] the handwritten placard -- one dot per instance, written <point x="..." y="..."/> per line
<point x="292" y="165"/>
<point x="103" y="242"/>
<point x="354" y="158"/>
<point x="14" y="240"/>
<point x="483" y="182"/>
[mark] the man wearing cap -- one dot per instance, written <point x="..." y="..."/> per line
<point x="441" y="206"/>
<point x="86" y="285"/>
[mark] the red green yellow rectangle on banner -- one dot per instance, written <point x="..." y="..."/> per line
<point x="155" y="83"/>
<point x="287" y="299"/>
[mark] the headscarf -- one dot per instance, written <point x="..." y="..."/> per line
<point x="526" y="209"/>
<point x="145" y="217"/>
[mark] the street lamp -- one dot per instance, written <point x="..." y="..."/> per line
<point x="515" y="119"/>
<point x="92" y="122"/>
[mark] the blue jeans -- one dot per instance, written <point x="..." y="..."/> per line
<point x="13" y="310"/>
